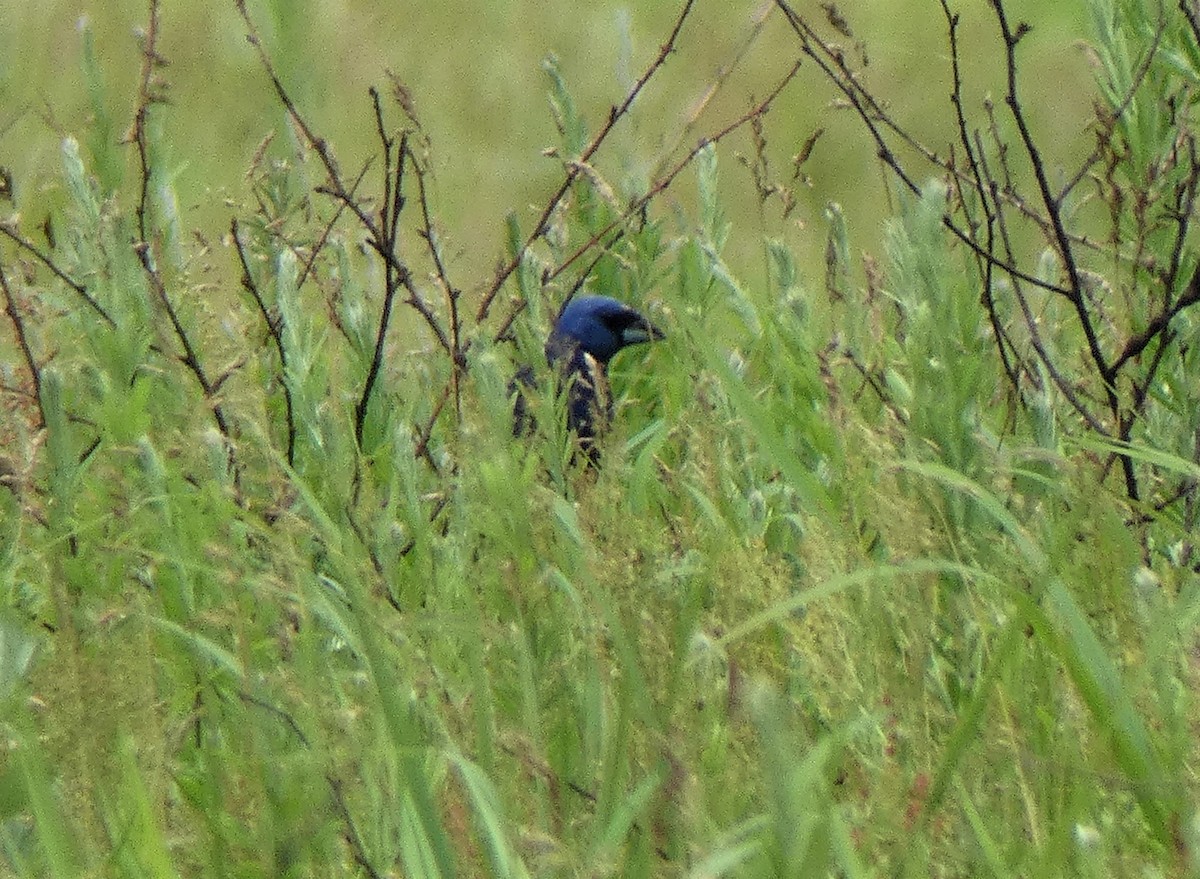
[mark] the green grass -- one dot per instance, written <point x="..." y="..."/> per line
<point x="799" y="623"/>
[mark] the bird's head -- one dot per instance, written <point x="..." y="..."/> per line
<point x="599" y="326"/>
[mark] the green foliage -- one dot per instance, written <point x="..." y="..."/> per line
<point x="835" y="604"/>
<point x="944" y="365"/>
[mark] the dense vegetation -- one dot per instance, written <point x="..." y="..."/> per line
<point x="889" y="568"/>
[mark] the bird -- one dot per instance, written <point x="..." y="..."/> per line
<point x="589" y="332"/>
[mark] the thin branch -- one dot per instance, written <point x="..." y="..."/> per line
<point x="44" y="258"/>
<point x="1185" y="201"/>
<point x="502" y="333"/>
<point x="874" y="383"/>
<point x="986" y="264"/>
<point x="323" y="239"/>
<point x="403" y="278"/>
<point x="274" y="328"/>
<point x="1193" y="17"/>
<point x="1139" y="76"/>
<point x="386" y="142"/>
<point x="453" y="294"/>
<point x="664" y="182"/>
<point x="148" y="96"/>
<point x="1141" y="391"/>
<point x="863" y="101"/>
<point x="639" y="205"/>
<point x="575" y="167"/>
<point x="723" y="74"/>
<point x="1013" y="370"/>
<point x="1053" y="206"/>
<point x="1060" y="381"/>
<point x="1137" y="343"/>
<point x="316" y="143"/>
<point x="380" y="240"/>
<point x="396" y="274"/>
<point x="382" y="233"/>
<point x="1075" y="294"/>
<point x="421" y="450"/>
<point x="14" y="316"/>
<point x="278" y="712"/>
<point x="832" y="63"/>
<point x="1031" y="323"/>
<point x="1066" y="254"/>
<point x="443" y="501"/>
<point x="583" y="276"/>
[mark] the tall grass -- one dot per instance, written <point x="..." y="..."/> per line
<point x="835" y="603"/>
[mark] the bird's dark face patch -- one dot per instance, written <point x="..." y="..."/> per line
<point x="600" y="326"/>
<point x="631" y="328"/>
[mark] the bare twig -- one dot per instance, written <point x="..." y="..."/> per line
<point x="1053" y="206"/>
<point x="664" y="182"/>
<point x="1138" y="342"/>
<point x="639" y="205"/>
<point x="1181" y="214"/>
<point x="44" y="258"/>
<point x="1031" y="323"/>
<point x="832" y="63"/>
<point x="382" y="233"/>
<point x="1139" y="77"/>
<point x="986" y="264"/>
<point x="13" y="311"/>
<point x="426" y="432"/>
<point x="273" y="324"/>
<point x="502" y="332"/>
<point x="395" y="275"/>
<point x="1188" y="7"/>
<point x="149" y="94"/>
<point x="379" y="239"/>
<point x="323" y="239"/>
<point x="874" y="383"/>
<point x="275" y="711"/>
<point x="1075" y="292"/>
<point x="696" y="110"/>
<point x="316" y="143"/>
<point x="453" y="294"/>
<point x="574" y="168"/>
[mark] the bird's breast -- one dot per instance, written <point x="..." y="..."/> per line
<point x="596" y="377"/>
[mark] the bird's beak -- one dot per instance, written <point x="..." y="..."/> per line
<point x="641" y="332"/>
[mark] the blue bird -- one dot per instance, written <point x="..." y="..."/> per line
<point x="589" y="332"/>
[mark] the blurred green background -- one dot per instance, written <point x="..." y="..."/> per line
<point x="474" y="71"/>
